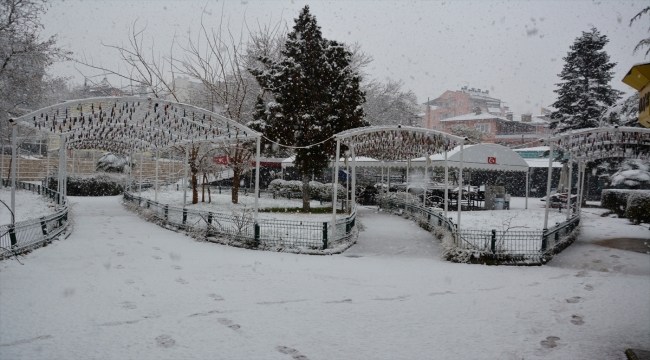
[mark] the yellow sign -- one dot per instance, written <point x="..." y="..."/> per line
<point x="639" y="78"/>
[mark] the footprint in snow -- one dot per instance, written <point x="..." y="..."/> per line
<point x="176" y="267"/>
<point x="339" y="302"/>
<point x="118" y="267"/>
<point x="550" y="342"/>
<point x="216" y="297"/>
<point x="120" y="254"/>
<point x="577" y="320"/>
<point x="589" y="287"/>
<point x="156" y="257"/>
<point x="582" y="273"/>
<point x="295" y="354"/>
<point x="181" y="281"/>
<point x="228" y="323"/>
<point x="129" y="305"/>
<point x="165" y="341"/>
<point x="573" y="300"/>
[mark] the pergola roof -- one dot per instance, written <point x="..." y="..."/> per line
<point x="391" y="143"/>
<point x="122" y="124"/>
<point x="480" y="156"/>
<point x="601" y="143"/>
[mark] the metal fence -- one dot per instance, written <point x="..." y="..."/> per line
<point x="29" y="234"/>
<point x="242" y="227"/>
<point x="525" y="246"/>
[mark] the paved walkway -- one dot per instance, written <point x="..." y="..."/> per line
<point x="390" y="235"/>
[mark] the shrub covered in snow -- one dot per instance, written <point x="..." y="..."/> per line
<point x="94" y="185"/>
<point x="316" y="189"/>
<point x="633" y="174"/>
<point x="638" y="207"/>
<point x="618" y="200"/>
<point x="113" y="163"/>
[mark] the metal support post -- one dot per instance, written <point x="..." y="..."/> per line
<point x="548" y="185"/>
<point x="568" y="198"/>
<point x="446" y="183"/>
<point x="335" y="182"/>
<point x="14" y="130"/>
<point x="460" y="184"/>
<point x="354" y="178"/>
<point x="156" y="187"/>
<point x="187" y="159"/>
<point x="257" y="179"/>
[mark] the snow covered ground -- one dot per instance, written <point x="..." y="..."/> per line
<point x="222" y="203"/>
<point x="28" y="206"/>
<point x="517" y="218"/>
<point x="120" y="287"/>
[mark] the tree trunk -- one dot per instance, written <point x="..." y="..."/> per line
<point x="195" y="190"/>
<point x="205" y="179"/>
<point x="235" y="186"/>
<point x="305" y="192"/>
<point x="209" y="196"/>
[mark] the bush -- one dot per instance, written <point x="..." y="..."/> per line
<point x="615" y="200"/>
<point x="638" y="207"/>
<point x="316" y="189"/>
<point x="95" y="185"/>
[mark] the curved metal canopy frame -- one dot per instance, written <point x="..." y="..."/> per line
<point x="587" y="145"/>
<point x="143" y="123"/>
<point x="133" y="124"/>
<point x="391" y="143"/>
<point x="601" y="143"/>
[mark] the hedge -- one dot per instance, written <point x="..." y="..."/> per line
<point x="633" y="204"/>
<point x="316" y="189"/>
<point x="638" y="207"/>
<point x="95" y="185"/>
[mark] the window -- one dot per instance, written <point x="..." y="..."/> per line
<point x="482" y="127"/>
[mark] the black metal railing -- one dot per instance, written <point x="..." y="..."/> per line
<point x="241" y="226"/>
<point x="535" y="246"/>
<point x="32" y="233"/>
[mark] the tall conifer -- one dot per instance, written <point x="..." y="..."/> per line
<point x="584" y="93"/>
<point x="315" y="94"/>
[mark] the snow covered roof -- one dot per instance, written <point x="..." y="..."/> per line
<point x="470" y="117"/>
<point x="542" y="163"/>
<point x="494" y="110"/>
<point x="479" y="156"/>
<point x="535" y="148"/>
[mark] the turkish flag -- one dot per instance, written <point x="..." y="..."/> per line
<point x="492" y="160"/>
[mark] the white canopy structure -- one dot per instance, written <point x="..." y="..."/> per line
<point x="390" y="144"/>
<point x="127" y="124"/>
<point x="587" y="145"/>
<point x="479" y="156"/>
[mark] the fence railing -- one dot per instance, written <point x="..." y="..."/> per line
<point x="28" y="234"/>
<point x="526" y="246"/>
<point x="241" y="226"/>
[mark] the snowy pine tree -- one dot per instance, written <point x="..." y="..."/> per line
<point x="584" y="93"/>
<point x="623" y="113"/>
<point x="315" y="94"/>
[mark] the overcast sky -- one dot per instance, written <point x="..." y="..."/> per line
<point x="512" y="48"/>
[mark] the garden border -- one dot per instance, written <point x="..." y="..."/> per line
<point x="27" y="235"/>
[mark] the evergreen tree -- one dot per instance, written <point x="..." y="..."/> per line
<point x="584" y="93"/>
<point x="315" y="94"/>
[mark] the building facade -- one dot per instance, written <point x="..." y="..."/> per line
<point x="461" y="102"/>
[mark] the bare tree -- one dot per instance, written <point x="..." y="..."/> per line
<point x="216" y="60"/>
<point x="387" y="104"/>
